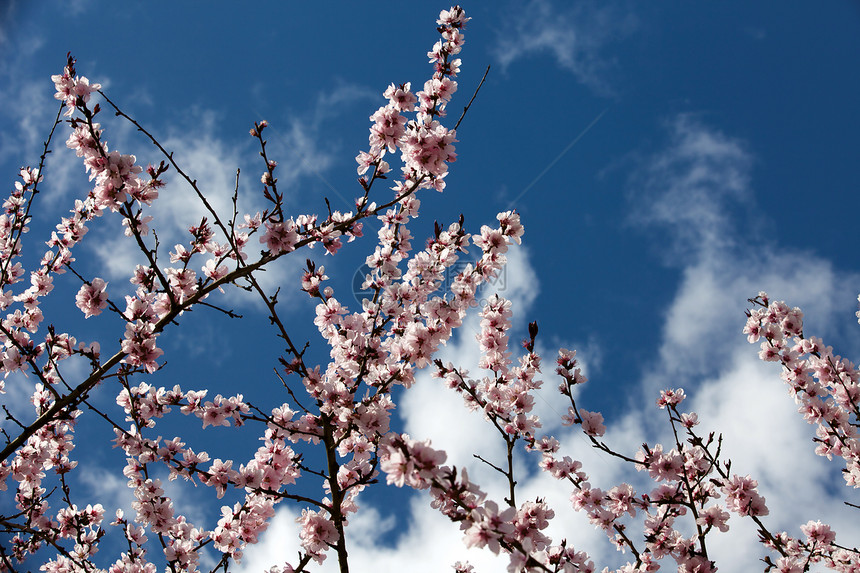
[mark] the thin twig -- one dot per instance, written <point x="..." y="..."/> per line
<point x="474" y="95"/>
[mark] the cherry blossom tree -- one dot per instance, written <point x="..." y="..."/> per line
<point x="332" y="429"/>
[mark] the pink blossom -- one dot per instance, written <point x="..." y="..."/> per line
<point x="592" y="423"/>
<point x="714" y="516"/>
<point x="671" y="397"/>
<point x="139" y="345"/>
<point x="213" y="270"/>
<point x="817" y="532"/>
<point x="92" y="298"/>
<point x="317" y="534"/>
<point x="742" y="497"/>
<point x="400" y="97"/>
<point x="280" y="237"/>
<point x="70" y="89"/>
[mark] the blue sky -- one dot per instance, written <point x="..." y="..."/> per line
<point x="668" y="162"/>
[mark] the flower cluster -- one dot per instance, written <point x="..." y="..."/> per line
<point x="693" y="487"/>
<point x="376" y="348"/>
<point x="335" y="423"/>
<point x="825" y="386"/>
<point x="426" y="145"/>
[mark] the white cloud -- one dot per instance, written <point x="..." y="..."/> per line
<point x="111" y="490"/>
<point x="699" y="188"/>
<point x="26" y="118"/>
<point x="278" y="545"/>
<point x="573" y="34"/>
<point x="17" y="397"/>
<point x="688" y="187"/>
<point x="300" y="155"/>
<point x="211" y="162"/>
<point x="330" y="102"/>
<point x="430" y="543"/>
